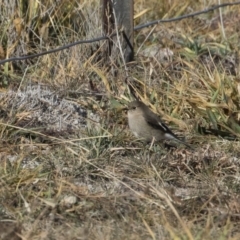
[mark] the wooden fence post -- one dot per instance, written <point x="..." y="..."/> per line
<point x="123" y="19"/>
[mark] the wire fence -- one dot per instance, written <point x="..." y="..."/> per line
<point x="139" y="27"/>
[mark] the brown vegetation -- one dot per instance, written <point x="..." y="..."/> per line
<point x="69" y="166"/>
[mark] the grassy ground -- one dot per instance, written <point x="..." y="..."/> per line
<point x="71" y="169"/>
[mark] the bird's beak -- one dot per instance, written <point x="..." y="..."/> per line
<point x="121" y="109"/>
<point x="125" y="109"/>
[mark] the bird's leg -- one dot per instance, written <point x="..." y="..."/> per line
<point x="152" y="142"/>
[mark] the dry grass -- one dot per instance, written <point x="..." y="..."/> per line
<point x="65" y="176"/>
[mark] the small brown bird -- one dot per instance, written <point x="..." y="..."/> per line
<point x="147" y="125"/>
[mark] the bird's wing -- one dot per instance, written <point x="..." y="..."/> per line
<point x="155" y="121"/>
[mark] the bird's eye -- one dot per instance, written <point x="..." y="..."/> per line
<point x="134" y="108"/>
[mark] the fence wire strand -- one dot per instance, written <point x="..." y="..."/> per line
<point x="139" y="27"/>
